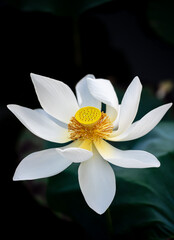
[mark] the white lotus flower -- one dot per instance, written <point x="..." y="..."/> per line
<point x="65" y="118"/>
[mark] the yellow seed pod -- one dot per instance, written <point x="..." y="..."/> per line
<point x="88" y="115"/>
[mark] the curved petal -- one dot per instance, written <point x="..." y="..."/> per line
<point x="55" y="97"/>
<point x="41" y="111"/>
<point x="112" y="113"/>
<point x="84" y="96"/>
<point x="129" y="105"/>
<point x="40" y="124"/>
<point x="144" y="125"/>
<point x="103" y="91"/>
<point x="128" y="158"/>
<point x="74" y="153"/>
<point x="97" y="183"/>
<point x="41" y="164"/>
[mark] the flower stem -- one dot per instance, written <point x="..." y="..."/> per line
<point x="109" y="223"/>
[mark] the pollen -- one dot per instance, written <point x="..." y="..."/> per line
<point x="92" y="125"/>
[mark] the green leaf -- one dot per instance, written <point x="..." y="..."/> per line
<point x="149" y="198"/>
<point x="57" y="7"/>
<point x="161" y="18"/>
<point x="159" y="141"/>
<point x="142" y="208"/>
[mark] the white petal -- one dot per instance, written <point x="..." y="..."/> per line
<point x="84" y="96"/>
<point x="58" y="122"/>
<point x="114" y="116"/>
<point x="40" y="124"/>
<point x="144" y="125"/>
<point x="74" y="153"/>
<point x="41" y="164"/>
<point x="112" y="113"/>
<point x="103" y="90"/>
<point x="56" y="98"/>
<point x="97" y="183"/>
<point x="129" y="105"/>
<point x="128" y="158"/>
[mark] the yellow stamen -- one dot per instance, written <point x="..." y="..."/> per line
<point x="88" y="115"/>
<point x="90" y="127"/>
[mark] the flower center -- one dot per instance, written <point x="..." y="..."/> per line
<point x="90" y="123"/>
<point x="88" y="115"/>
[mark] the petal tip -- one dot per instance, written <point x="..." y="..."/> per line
<point x="167" y="106"/>
<point x="158" y="164"/>
<point x="90" y="76"/>
<point x="16" y="177"/>
<point x="170" y="104"/>
<point x="34" y="76"/>
<point x="137" y="81"/>
<point x="9" y="106"/>
<point x="99" y="210"/>
<point x="12" y="107"/>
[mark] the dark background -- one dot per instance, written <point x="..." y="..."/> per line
<point x="116" y="42"/>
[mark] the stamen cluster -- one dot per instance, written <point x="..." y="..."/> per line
<point x="100" y="130"/>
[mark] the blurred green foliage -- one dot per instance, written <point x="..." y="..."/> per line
<point x="142" y="208"/>
<point x="161" y="18"/>
<point x="160" y="13"/>
<point x="57" y="7"/>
